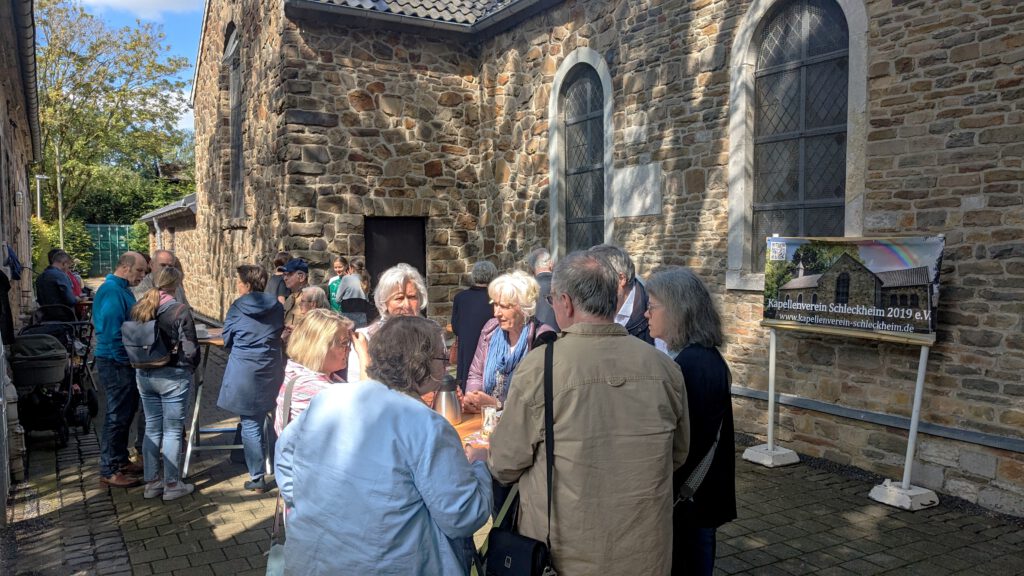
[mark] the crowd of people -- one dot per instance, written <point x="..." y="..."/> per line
<point x="374" y="480"/>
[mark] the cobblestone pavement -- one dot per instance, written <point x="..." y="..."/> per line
<point x="812" y="518"/>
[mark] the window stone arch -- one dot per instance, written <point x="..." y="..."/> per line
<point x="581" y="65"/>
<point x="740" y="273"/>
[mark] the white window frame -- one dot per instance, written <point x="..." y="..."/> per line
<point x="556" y="145"/>
<point x="742" y="65"/>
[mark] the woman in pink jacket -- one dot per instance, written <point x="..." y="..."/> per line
<point x="504" y="340"/>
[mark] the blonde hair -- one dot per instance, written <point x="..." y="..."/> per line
<point x="519" y="287"/>
<point x="314" y="334"/>
<point x="167" y="280"/>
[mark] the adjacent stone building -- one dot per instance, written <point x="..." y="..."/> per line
<point x="684" y="130"/>
<point x="19" y="147"/>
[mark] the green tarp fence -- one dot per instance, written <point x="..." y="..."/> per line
<point x="110" y="241"/>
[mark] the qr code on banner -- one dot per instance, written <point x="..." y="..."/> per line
<point x="776" y="251"/>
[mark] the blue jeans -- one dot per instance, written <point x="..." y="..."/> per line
<point x="694" y="552"/>
<point x="118" y="381"/>
<point x="252" y="444"/>
<point x="164" y="393"/>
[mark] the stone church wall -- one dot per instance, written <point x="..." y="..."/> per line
<point x="349" y="123"/>
<point x="944" y="155"/>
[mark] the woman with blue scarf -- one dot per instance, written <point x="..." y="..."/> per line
<point x="504" y="340"/>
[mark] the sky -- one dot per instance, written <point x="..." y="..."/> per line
<point x="182" y="22"/>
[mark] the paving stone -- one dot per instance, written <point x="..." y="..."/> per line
<point x="170" y="564"/>
<point x="792" y="521"/>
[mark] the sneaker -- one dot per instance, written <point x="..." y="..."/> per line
<point x="178" y="490"/>
<point x="119" y="480"/>
<point x="258" y="486"/>
<point x="153" y="489"/>
<point x="133" y="468"/>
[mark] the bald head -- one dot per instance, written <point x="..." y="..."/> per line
<point x="132" y="267"/>
<point x="162" y="259"/>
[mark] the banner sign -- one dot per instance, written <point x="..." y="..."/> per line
<point x="881" y="285"/>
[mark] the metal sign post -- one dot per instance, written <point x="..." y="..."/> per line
<point x="904" y="495"/>
<point x="769" y="454"/>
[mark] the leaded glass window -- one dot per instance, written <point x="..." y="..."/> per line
<point x="800" y="93"/>
<point x="582" y="117"/>
<point x="233" y="63"/>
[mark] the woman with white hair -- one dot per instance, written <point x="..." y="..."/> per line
<point x="681" y="313"/>
<point x="504" y="340"/>
<point x="400" y="291"/>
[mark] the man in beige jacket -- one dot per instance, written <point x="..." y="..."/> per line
<point x="620" y="427"/>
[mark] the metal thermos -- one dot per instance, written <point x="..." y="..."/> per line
<point x="446" y="401"/>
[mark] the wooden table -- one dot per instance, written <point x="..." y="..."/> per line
<point x="470" y="424"/>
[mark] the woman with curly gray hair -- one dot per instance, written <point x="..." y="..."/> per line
<point x="400" y="291"/>
<point x="376" y="451"/>
<point x="681" y="313"/>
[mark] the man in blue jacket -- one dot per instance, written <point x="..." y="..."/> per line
<point x="53" y="287"/>
<point x="111" y="307"/>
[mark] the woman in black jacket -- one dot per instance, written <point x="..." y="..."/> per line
<point x="165" y="390"/>
<point x="681" y="313"/>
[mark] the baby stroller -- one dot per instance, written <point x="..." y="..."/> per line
<point x="42" y="375"/>
<point x="53" y="404"/>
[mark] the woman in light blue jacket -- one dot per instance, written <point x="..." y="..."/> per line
<point x="375" y="481"/>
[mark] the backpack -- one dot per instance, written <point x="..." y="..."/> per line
<point x="145" y="346"/>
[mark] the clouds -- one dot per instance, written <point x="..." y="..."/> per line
<point x="148" y="9"/>
<point x="187" y="119"/>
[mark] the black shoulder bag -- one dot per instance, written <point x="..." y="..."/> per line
<point x="508" y="552"/>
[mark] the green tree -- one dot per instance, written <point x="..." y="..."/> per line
<point x="776" y="273"/>
<point x="817" y="257"/>
<point x="138" y="238"/>
<point x="77" y="243"/>
<point x="119" y="196"/>
<point x="108" y="97"/>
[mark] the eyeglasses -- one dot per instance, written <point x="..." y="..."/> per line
<point x="651" y="306"/>
<point x="341" y="343"/>
<point x="550" y="298"/>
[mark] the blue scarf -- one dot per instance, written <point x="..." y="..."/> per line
<point x="501" y="361"/>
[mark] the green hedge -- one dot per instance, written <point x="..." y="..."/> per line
<point x="77" y="243"/>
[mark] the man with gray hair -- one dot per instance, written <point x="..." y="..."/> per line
<point x="471" y="309"/>
<point x="631" y="297"/>
<point x="161" y="259"/>
<point x="540" y="263"/>
<point x="620" y="429"/>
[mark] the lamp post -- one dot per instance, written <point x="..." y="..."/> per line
<point x="39" y="196"/>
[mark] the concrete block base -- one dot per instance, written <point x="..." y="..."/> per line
<point x="772" y="458"/>
<point x="913" y="498"/>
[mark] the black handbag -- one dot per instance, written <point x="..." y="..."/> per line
<point x="509" y="553"/>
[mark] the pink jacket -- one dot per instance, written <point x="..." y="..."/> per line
<point x="475" y="378"/>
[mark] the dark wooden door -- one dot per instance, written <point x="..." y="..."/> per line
<point x="390" y="241"/>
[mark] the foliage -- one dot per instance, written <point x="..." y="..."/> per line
<point x="77" y="242"/>
<point x="138" y="238"/>
<point x="108" y="97"/>
<point x="777" y="273"/>
<point x="119" y="196"/>
<point x="40" y="232"/>
<point x="817" y="257"/>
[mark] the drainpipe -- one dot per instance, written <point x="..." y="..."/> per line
<point x="159" y="235"/>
